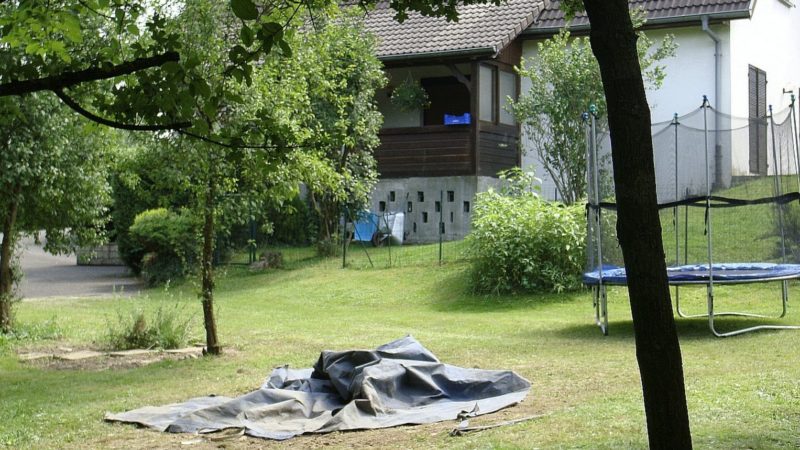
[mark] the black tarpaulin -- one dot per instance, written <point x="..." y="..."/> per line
<point x="398" y="383"/>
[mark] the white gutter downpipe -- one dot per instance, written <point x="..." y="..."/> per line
<point x="717" y="96"/>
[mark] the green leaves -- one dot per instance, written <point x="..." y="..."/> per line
<point x="244" y="9"/>
<point x="523" y="243"/>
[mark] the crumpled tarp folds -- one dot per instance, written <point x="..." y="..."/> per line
<point x="398" y="383"/>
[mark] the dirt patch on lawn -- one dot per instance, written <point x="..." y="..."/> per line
<point x="92" y="359"/>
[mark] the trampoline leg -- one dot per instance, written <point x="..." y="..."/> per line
<point x="600" y="302"/>
<point x="785" y="297"/>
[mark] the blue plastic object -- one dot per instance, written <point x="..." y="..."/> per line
<point x="451" y="119"/>
<point x="365" y="227"/>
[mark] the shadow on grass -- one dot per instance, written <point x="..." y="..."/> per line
<point x="454" y="294"/>
<point x="689" y="329"/>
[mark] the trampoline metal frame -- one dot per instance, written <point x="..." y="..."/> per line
<point x="599" y="290"/>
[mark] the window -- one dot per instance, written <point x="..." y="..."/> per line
<point x="391" y="196"/>
<point x="496" y="86"/>
<point x="487" y="98"/>
<point x="451" y="196"/>
<point x="757" y="111"/>
<point x="382" y="206"/>
<point x="447" y="96"/>
<point x="507" y="88"/>
<point x="420" y="196"/>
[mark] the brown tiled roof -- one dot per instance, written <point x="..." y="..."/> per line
<point x="658" y="11"/>
<point x="484" y="29"/>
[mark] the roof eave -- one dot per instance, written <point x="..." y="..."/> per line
<point x="687" y="19"/>
<point x="459" y="53"/>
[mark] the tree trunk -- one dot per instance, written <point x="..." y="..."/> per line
<point x="639" y="230"/>
<point x="212" y="345"/>
<point x="6" y="253"/>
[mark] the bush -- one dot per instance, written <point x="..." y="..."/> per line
<point x="165" y="330"/>
<point x="32" y="332"/>
<point x="168" y="241"/>
<point x="523" y="243"/>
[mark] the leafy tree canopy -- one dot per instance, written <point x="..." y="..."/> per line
<point x="565" y="82"/>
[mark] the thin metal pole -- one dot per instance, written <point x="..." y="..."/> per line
<point x="590" y="194"/>
<point x="596" y="175"/>
<point x="386" y="221"/>
<point x="709" y="234"/>
<point x="603" y="306"/>
<point x="677" y="193"/>
<point x="675" y="210"/>
<point x="778" y="187"/>
<point x="441" y="224"/>
<point x="795" y="142"/>
<point x="344" y="236"/>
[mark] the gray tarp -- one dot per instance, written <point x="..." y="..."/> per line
<point x="397" y="383"/>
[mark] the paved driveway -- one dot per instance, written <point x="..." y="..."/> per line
<point x="59" y="276"/>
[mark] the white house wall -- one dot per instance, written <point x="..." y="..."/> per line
<point x="768" y="41"/>
<point x="689" y="76"/>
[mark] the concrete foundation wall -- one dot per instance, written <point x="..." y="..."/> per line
<point x="428" y="200"/>
<point x="104" y="255"/>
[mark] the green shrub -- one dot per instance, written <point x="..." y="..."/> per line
<point x="168" y="242"/>
<point x="166" y="328"/>
<point x="32" y="332"/>
<point x="524" y="243"/>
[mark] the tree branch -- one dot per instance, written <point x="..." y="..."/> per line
<point x="110" y="123"/>
<point x="67" y="79"/>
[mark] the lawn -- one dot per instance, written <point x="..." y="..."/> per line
<point x="744" y="392"/>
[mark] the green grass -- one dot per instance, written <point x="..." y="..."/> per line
<point x="744" y="392"/>
<point x="366" y="256"/>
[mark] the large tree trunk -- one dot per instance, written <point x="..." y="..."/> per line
<point x="6" y="253"/>
<point x="639" y="230"/>
<point x="212" y="345"/>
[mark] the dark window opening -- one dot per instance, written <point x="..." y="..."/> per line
<point x="410" y="207"/>
<point x="451" y="216"/>
<point x="441" y="227"/>
<point x="438" y="206"/>
<point x="424" y="217"/>
<point x="451" y="196"/>
<point x="415" y="227"/>
<point x="391" y="196"/>
<point x="466" y="207"/>
<point x="382" y="206"/>
<point x="420" y="196"/>
<point x="447" y="96"/>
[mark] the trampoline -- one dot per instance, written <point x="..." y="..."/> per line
<point x="698" y="194"/>
<point x="733" y="273"/>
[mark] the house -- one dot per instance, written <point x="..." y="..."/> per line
<point x="736" y="52"/>
<point x="739" y="53"/>
<point x="430" y="170"/>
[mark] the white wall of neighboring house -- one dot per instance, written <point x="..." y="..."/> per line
<point x="690" y="73"/>
<point x="770" y="41"/>
<point x="689" y="76"/>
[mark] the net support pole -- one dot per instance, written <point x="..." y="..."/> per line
<point x="601" y="306"/>
<point x="441" y="224"/>
<point x="795" y="142"/>
<point x="709" y="232"/>
<point x="778" y="184"/>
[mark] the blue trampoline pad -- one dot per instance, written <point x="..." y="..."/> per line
<point x="729" y="273"/>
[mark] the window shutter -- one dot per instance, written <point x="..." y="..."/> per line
<point x="757" y="112"/>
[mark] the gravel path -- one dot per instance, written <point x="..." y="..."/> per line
<point x="59" y="276"/>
